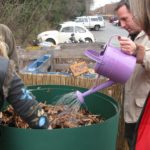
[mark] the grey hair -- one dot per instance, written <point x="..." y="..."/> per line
<point x="141" y="10"/>
<point x="3" y="49"/>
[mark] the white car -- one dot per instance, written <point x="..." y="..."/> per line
<point x="116" y="22"/>
<point x="91" y="22"/>
<point x="64" y="32"/>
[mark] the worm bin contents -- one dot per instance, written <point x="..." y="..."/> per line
<point x="60" y="116"/>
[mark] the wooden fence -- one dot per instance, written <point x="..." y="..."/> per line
<point x="114" y="91"/>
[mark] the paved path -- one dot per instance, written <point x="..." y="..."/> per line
<point x="105" y="33"/>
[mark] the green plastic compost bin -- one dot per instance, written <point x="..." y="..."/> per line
<point x="100" y="136"/>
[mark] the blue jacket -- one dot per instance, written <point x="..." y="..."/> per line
<point x="14" y="92"/>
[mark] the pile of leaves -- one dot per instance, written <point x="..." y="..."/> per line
<point x="60" y="116"/>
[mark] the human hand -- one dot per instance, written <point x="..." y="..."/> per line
<point x="50" y="127"/>
<point x="127" y="45"/>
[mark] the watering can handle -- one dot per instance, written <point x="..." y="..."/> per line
<point x="93" y="55"/>
<point x="109" y="41"/>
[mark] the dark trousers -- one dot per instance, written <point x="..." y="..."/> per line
<point x="129" y="133"/>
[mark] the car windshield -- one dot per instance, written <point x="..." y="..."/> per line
<point x="79" y="20"/>
<point x="58" y="27"/>
<point x="79" y="30"/>
<point x="68" y="29"/>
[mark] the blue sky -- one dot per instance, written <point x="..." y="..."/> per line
<point x="99" y="3"/>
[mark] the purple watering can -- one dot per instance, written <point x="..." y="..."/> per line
<point x="111" y="63"/>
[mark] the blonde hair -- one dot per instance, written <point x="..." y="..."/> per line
<point x="141" y="9"/>
<point x="3" y="49"/>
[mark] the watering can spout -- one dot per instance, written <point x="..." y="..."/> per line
<point x="81" y="96"/>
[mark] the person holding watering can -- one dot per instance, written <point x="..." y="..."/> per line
<point x="137" y="87"/>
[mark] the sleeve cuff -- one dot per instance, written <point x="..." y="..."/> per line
<point x="140" y="53"/>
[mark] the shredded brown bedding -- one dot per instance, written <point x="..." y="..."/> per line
<point x="60" y="117"/>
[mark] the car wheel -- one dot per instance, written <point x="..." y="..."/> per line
<point x="96" y="28"/>
<point x="88" y="40"/>
<point x="51" y="41"/>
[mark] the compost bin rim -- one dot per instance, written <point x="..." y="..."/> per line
<point x="73" y="88"/>
<point x="40" y="87"/>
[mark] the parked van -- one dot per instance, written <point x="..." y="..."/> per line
<point x="91" y="22"/>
